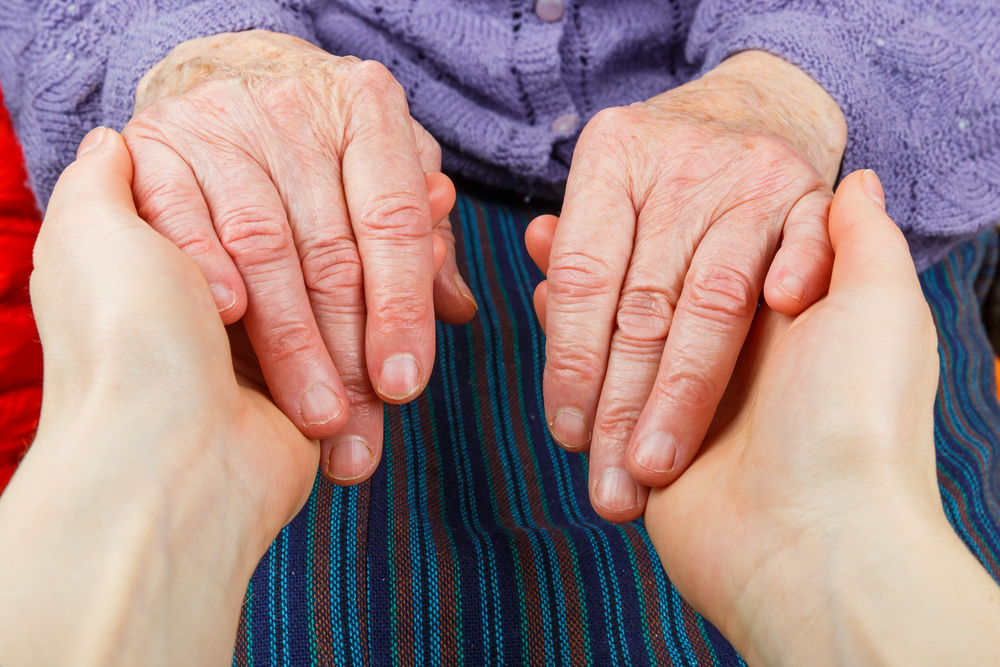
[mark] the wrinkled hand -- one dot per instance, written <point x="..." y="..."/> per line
<point x="810" y="528"/>
<point x="674" y="210"/>
<point x="308" y="197"/>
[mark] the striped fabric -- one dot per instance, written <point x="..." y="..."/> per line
<point x="475" y="543"/>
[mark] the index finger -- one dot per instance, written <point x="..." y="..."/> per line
<point x="387" y="199"/>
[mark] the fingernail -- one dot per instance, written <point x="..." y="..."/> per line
<point x="466" y="292"/>
<point x="616" y="491"/>
<point x="319" y="405"/>
<point x="399" y="378"/>
<point x="656" y="453"/>
<point x="873" y="186"/>
<point x="570" y="428"/>
<point x="793" y="287"/>
<point x="350" y="458"/>
<point x="224" y="297"/>
<point x="93" y="138"/>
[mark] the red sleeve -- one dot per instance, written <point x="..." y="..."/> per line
<point x="20" y="351"/>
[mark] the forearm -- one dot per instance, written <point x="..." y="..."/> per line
<point x="116" y="566"/>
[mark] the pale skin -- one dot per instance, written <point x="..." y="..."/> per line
<point x="673" y="214"/>
<point x="809" y="528"/>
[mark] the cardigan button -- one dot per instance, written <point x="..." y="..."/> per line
<point x="565" y="123"/>
<point x="550" y="10"/>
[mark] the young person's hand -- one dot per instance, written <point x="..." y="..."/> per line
<point x="809" y="529"/>
<point x="314" y="205"/>
<point x="158" y="477"/>
<point x="674" y="210"/>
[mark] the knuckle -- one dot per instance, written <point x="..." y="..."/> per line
<point x="609" y="131"/>
<point x="689" y="391"/>
<point x="330" y="264"/>
<point x="253" y="233"/>
<point x="615" y="426"/>
<point x="401" y="310"/>
<point x="574" y="275"/>
<point x="721" y="294"/>
<point x="193" y="241"/>
<point x="576" y="368"/>
<point x="612" y="119"/>
<point x="644" y="314"/>
<point x="288" y="342"/>
<point x="372" y="79"/>
<point x="401" y="214"/>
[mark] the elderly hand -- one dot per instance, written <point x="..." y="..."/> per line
<point x="810" y="528"/>
<point x="156" y="481"/>
<point x="674" y="210"/>
<point x="307" y="196"/>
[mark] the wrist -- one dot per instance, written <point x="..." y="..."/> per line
<point x="760" y="93"/>
<point x="116" y="556"/>
<point x="872" y="593"/>
<point x="216" y="56"/>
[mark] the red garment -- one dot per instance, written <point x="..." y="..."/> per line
<point x="20" y="351"/>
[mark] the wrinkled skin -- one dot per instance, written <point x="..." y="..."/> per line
<point x="674" y="213"/>
<point x="312" y="203"/>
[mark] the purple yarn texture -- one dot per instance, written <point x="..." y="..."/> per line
<point x="918" y="81"/>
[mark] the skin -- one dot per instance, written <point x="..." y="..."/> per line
<point x="679" y="212"/>
<point x="809" y="528"/>
<point x="159" y="476"/>
<point x="674" y="213"/>
<point x="314" y="206"/>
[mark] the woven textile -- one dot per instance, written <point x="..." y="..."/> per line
<point x="475" y="543"/>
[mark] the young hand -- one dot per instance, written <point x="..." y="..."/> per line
<point x="158" y="479"/>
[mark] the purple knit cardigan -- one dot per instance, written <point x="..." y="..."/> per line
<point x="918" y="80"/>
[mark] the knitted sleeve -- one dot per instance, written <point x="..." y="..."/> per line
<point x="919" y="83"/>
<point x="67" y="66"/>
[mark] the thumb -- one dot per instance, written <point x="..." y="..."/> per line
<point x="93" y="196"/>
<point x="870" y="252"/>
<point x="875" y="284"/>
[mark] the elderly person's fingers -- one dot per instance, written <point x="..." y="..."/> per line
<point x="710" y="323"/>
<point x="250" y="218"/>
<point x="800" y="272"/>
<point x="387" y="198"/>
<point x="587" y="264"/>
<point x="169" y="198"/>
